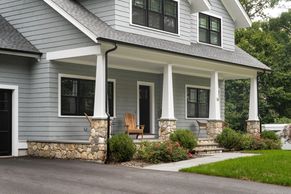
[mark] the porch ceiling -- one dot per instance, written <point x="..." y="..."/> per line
<point x="144" y="60"/>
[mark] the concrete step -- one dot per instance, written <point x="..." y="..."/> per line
<point x="210" y="150"/>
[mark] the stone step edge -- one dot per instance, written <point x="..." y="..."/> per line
<point x="208" y="149"/>
<point x="207" y="144"/>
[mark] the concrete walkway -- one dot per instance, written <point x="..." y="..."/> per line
<point x="176" y="166"/>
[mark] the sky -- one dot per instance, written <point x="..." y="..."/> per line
<point x="282" y="7"/>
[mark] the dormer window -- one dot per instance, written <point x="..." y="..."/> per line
<point x="157" y="14"/>
<point x="209" y="29"/>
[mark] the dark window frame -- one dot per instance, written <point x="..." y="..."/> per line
<point x="111" y="100"/>
<point x="209" y="30"/>
<point x="197" y="103"/>
<point x="161" y="14"/>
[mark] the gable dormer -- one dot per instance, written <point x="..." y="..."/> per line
<point x="210" y="22"/>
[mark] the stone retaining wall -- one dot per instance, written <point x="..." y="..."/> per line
<point x="95" y="149"/>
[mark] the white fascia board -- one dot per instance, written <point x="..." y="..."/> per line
<point x="71" y="19"/>
<point x="199" y="5"/>
<point x="238" y="14"/>
<point x="19" y="53"/>
<point x="70" y="53"/>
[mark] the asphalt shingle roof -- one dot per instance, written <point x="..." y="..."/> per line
<point x="11" y="39"/>
<point x="102" y="30"/>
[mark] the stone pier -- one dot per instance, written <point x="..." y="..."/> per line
<point x="166" y="127"/>
<point x="214" y="128"/>
<point x="94" y="149"/>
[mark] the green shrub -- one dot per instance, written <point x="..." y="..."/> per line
<point x="273" y="144"/>
<point x="245" y="142"/>
<point x="229" y="139"/>
<point x="121" y="148"/>
<point x="185" y="138"/>
<point x="157" y="152"/>
<point x="258" y="144"/>
<point x="269" y="135"/>
<point x="265" y="144"/>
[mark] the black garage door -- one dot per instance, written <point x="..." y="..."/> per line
<point x="5" y="122"/>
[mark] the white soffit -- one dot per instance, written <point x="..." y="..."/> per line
<point x="199" y="5"/>
<point x="238" y="14"/>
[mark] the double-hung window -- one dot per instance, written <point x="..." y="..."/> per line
<point x="158" y="14"/>
<point x="209" y="29"/>
<point x="77" y="97"/>
<point x="197" y="103"/>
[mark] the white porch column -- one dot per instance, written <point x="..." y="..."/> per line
<point x="168" y="99"/>
<point x="253" y="105"/>
<point x="214" y="106"/>
<point x="99" y="103"/>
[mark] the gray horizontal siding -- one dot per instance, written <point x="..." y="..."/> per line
<point x="218" y="9"/>
<point x="104" y="9"/>
<point x="47" y="31"/>
<point x="16" y="71"/>
<point x="122" y="22"/>
<point x="180" y="82"/>
<point x="126" y="98"/>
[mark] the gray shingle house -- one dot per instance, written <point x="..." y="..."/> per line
<point x="167" y="62"/>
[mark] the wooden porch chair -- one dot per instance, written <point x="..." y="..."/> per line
<point x="131" y="127"/>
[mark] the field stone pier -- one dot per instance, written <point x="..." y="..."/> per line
<point x="94" y="149"/>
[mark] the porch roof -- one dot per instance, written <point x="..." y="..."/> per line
<point x="102" y="31"/>
<point x="13" y="41"/>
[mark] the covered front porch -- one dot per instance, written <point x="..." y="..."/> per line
<point x="163" y="90"/>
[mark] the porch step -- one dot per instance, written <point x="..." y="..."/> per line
<point x="207" y="146"/>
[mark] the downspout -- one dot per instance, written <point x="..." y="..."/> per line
<point x="106" y="98"/>
<point x="258" y="96"/>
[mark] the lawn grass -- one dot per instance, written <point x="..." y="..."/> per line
<point x="273" y="167"/>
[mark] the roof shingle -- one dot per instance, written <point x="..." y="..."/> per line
<point x="102" y="30"/>
<point x="11" y="39"/>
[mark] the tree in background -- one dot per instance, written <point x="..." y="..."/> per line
<point x="255" y="8"/>
<point x="269" y="42"/>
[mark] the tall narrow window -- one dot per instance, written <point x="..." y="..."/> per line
<point x="77" y="97"/>
<point x="197" y="103"/>
<point x="158" y="14"/>
<point x="209" y="29"/>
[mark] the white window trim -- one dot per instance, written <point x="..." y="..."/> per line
<point x="153" y="29"/>
<point x="60" y="76"/>
<point x="152" y="104"/>
<point x="15" y="96"/>
<point x="221" y="28"/>
<point x="186" y="109"/>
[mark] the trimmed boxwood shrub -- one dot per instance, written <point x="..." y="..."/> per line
<point x="185" y="138"/>
<point x="157" y="152"/>
<point x="121" y="148"/>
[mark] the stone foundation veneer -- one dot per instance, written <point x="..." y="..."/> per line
<point x="253" y="127"/>
<point x="166" y="127"/>
<point x="95" y="149"/>
<point x="214" y="128"/>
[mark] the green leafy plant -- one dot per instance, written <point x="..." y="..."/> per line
<point x="185" y="138"/>
<point x="157" y="152"/>
<point x="269" y="135"/>
<point x="121" y="148"/>
<point x="229" y="139"/>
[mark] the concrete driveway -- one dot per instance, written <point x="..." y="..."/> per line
<point x="25" y="175"/>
